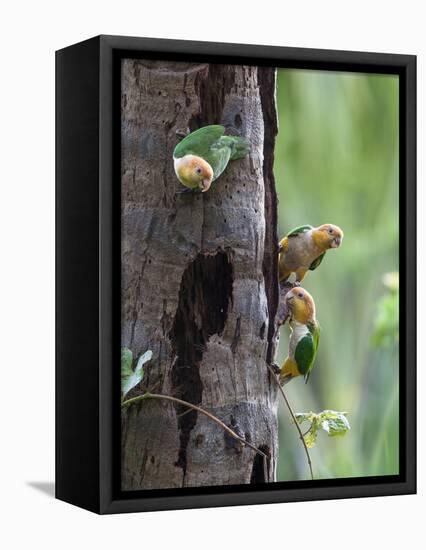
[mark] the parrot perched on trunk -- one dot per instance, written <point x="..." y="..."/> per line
<point x="304" y="248"/>
<point x="304" y="337"/>
<point x="202" y="156"/>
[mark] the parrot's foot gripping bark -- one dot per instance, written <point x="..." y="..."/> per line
<point x="283" y="378"/>
<point x="286" y="286"/>
<point x="182" y="133"/>
<point x="276" y="368"/>
<point x="282" y="314"/>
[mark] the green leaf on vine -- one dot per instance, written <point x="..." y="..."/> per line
<point x="129" y="377"/>
<point x="334" y="423"/>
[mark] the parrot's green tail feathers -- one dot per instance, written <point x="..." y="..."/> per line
<point x="240" y="147"/>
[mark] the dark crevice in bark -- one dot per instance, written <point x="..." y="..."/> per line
<point x="266" y="79"/>
<point x="221" y="79"/>
<point x="204" y="296"/>
<point x="259" y="473"/>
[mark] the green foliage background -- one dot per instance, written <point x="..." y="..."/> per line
<point x="337" y="162"/>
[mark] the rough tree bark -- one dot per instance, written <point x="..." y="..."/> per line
<point x="199" y="277"/>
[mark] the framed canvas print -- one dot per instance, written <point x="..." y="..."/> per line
<point x="235" y="274"/>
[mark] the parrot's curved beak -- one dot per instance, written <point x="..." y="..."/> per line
<point x="205" y="185"/>
<point x="336" y="242"/>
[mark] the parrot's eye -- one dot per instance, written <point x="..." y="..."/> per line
<point x="300" y="294"/>
<point x="198" y="170"/>
<point x="330" y="231"/>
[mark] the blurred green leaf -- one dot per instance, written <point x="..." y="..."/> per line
<point x="386" y="327"/>
<point x="311" y="438"/>
<point x="332" y="422"/>
<point x="129" y="377"/>
<point x="305" y="417"/>
<point x="391" y="280"/>
<point x="126" y="362"/>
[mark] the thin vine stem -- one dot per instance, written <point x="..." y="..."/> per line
<point x="275" y="377"/>
<point x="307" y="431"/>
<point x="227" y="429"/>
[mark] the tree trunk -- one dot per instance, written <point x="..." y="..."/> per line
<point x="199" y="277"/>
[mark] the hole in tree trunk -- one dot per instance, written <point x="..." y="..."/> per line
<point x="205" y="292"/>
<point x="259" y="474"/>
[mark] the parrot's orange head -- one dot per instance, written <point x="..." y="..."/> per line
<point x="194" y="172"/>
<point x="328" y="236"/>
<point x="301" y="305"/>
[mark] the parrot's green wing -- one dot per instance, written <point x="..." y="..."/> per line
<point x="315" y="331"/>
<point x="226" y="148"/>
<point x="306" y="351"/>
<point x="298" y="230"/>
<point x="218" y="158"/>
<point x="199" y="142"/>
<point x="210" y="144"/>
<point x="317" y="262"/>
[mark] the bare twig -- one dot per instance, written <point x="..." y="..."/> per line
<point x="275" y="377"/>
<point x="227" y="429"/>
<point x="188" y="410"/>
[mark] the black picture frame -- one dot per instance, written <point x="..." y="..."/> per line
<point x="88" y="264"/>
